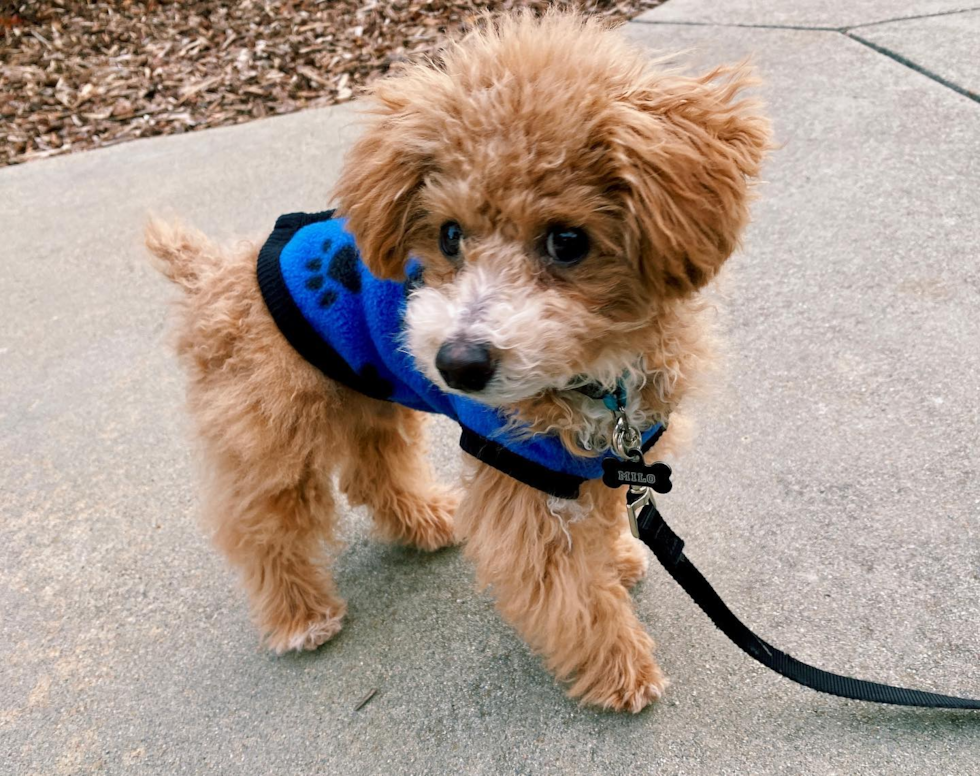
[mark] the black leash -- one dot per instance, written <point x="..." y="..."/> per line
<point x="647" y="525"/>
<point x="669" y="549"/>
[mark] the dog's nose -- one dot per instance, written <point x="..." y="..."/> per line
<point x="465" y="366"/>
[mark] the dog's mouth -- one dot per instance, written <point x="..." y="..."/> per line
<point x="497" y="393"/>
<point x="484" y="379"/>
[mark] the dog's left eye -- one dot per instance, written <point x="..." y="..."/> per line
<point x="450" y="235"/>
<point x="566" y="245"/>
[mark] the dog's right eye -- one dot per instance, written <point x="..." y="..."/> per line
<point x="450" y="235"/>
<point x="566" y="245"/>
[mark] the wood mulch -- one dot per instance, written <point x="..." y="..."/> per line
<point x="77" y="74"/>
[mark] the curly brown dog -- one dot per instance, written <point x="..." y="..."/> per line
<point x="568" y="202"/>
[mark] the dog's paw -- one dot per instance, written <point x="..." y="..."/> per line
<point x="630" y="688"/>
<point x="635" y="699"/>
<point x="427" y="522"/>
<point x="632" y="559"/>
<point x="305" y="636"/>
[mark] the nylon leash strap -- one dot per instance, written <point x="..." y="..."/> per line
<point x="648" y="525"/>
<point x="668" y="547"/>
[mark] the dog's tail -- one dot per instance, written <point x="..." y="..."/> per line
<point x="180" y="253"/>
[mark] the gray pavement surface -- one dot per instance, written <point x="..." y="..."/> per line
<point x="948" y="46"/>
<point x="832" y="494"/>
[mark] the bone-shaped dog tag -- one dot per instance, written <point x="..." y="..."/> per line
<point x="656" y="476"/>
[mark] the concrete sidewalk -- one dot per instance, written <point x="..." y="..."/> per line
<point x="832" y="495"/>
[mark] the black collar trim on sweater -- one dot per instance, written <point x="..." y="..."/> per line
<point x="293" y="326"/>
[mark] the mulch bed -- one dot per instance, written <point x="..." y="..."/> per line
<point x="77" y="74"/>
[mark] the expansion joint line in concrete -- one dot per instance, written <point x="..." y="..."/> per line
<point x="913" y="66"/>
<point x="847" y="32"/>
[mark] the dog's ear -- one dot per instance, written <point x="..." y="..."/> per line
<point x="383" y="174"/>
<point x="686" y="150"/>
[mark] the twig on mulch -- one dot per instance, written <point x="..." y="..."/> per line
<point x="78" y="74"/>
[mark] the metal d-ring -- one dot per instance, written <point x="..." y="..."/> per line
<point x="626" y="439"/>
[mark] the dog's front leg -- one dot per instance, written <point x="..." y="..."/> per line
<point x="556" y="580"/>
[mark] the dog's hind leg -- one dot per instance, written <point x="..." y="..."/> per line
<point x="385" y="469"/>
<point x="273" y="520"/>
<point x="263" y="416"/>
<point x="269" y="497"/>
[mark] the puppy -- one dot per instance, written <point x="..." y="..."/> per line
<point x="522" y="233"/>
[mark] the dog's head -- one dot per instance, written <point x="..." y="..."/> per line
<point x="559" y="193"/>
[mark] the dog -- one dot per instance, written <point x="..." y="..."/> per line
<point x="538" y="209"/>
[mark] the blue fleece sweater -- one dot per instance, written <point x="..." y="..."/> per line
<point x="349" y="324"/>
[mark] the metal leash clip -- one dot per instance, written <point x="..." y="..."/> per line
<point x="643" y="498"/>
<point x="626" y="445"/>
